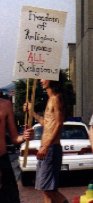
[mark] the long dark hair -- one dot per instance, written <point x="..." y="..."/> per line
<point x="65" y="88"/>
<point x="56" y="86"/>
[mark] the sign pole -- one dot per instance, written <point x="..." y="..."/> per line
<point x="30" y="120"/>
<point x="27" y="93"/>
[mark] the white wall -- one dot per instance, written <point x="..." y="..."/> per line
<point x="9" y="28"/>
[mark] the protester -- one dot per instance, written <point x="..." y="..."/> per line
<point x="50" y="153"/>
<point x="8" y="187"/>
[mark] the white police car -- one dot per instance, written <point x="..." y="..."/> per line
<point x="77" y="154"/>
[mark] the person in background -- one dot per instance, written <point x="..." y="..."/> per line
<point x="91" y="131"/>
<point x="50" y="153"/>
<point x="8" y="187"/>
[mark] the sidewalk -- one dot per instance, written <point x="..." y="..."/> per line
<point x="30" y="195"/>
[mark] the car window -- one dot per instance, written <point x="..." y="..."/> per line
<point x="38" y="132"/>
<point x="74" y="132"/>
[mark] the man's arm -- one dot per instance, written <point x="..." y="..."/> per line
<point x="39" y="118"/>
<point x="27" y="107"/>
<point x="12" y="127"/>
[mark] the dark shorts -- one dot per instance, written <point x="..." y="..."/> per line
<point x="8" y="187"/>
<point x="48" y="170"/>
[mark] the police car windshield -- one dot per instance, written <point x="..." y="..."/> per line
<point x="74" y="132"/>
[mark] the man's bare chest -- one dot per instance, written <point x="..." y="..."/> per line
<point x="49" y="113"/>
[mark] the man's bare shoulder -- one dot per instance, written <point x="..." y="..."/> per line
<point x="57" y="103"/>
<point x="57" y="98"/>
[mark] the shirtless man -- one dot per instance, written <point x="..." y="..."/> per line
<point x="8" y="186"/>
<point x="50" y="153"/>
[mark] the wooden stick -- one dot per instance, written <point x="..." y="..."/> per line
<point x="27" y="93"/>
<point x="30" y="120"/>
<point x="32" y="104"/>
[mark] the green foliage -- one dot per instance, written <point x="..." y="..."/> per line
<point x="41" y="99"/>
<point x="20" y="91"/>
<point x="20" y="98"/>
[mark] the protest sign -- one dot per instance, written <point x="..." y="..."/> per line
<point x="40" y="44"/>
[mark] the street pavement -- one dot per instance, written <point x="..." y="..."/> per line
<point x="30" y="195"/>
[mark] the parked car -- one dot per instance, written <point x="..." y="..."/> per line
<point x="77" y="154"/>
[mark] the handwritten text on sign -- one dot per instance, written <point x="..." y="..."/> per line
<point x="40" y="43"/>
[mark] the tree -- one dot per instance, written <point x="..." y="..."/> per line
<point x="20" y="91"/>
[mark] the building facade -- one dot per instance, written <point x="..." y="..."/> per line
<point x="84" y="59"/>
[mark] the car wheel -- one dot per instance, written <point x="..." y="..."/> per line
<point x="27" y="178"/>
